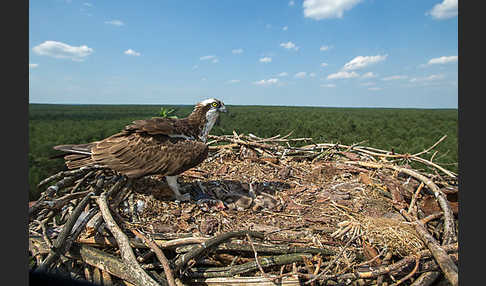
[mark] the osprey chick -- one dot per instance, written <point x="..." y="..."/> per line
<point x="163" y="146"/>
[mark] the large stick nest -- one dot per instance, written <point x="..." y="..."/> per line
<point x="320" y="213"/>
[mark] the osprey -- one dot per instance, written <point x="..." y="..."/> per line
<point x="164" y="146"/>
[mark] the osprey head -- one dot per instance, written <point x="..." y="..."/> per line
<point x="213" y="107"/>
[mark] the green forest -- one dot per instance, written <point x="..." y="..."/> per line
<point x="404" y="130"/>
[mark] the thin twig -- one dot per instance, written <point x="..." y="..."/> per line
<point x="445" y="262"/>
<point x="414" y="197"/>
<point x="58" y="245"/>
<point x="409" y="275"/>
<point x="431" y="147"/>
<point x="449" y="225"/>
<point x="160" y="256"/>
<point x="197" y="250"/>
<point x="323" y="272"/>
<point x="124" y="244"/>
<point x="256" y="257"/>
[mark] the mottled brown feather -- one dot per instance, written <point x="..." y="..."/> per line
<point x="145" y="147"/>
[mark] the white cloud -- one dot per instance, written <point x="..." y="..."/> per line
<point x="267" y="82"/>
<point x="435" y="77"/>
<point x="237" y="51"/>
<point x="205" y="58"/>
<point x="312" y="74"/>
<point x="343" y="74"/>
<point x="273" y="80"/>
<point x="233" y="81"/>
<point x="291" y="3"/>
<point x="33" y="66"/>
<point x="289" y="46"/>
<point x="215" y="61"/>
<point x="360" y="62"/>
<point x="369" y="75"/>
<point x="60" y="50"/>
<point x="285" y="28"/>
<point x="117" y="23"/>
<point x="443" y="60"/>
<point x="282" y="74"/>
<point x="87" y="4"/>
<point x="322" y="9"/>
<point x="324" y="65"/>
<point x="324" y="48"/>
<point x="375" y="88"/>
<point x="446" y="9"/>
<point x="300" y="75"/>
<point x="394" y="77"/>
<point x="368" y="83"/>
<point x="265" y="60"/>
<point x="131" y="52"/>
<point x="428" y="78"/>
<point x="328" y="85"/>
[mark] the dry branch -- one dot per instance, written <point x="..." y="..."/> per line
<point x="445" y="262"/>
<point x="246" y="281"/>
<point x="58" y="246"/>
<point x="393" y="268"/>
<point x="426" y="279"/>
<point x="160" y="255"/>
<point x="126" y="251"/>
<point x="449" y="225"/>
<point x="213" y="242"/>
<point x="321" y="189"/>
<point x="249" y="266"/>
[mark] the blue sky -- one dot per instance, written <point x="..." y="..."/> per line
<point x="341" y="53"/>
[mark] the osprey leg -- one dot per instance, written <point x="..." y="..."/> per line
<point x="174" y="186"/>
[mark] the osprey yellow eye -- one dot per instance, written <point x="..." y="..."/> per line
<point x="215" y="104"/>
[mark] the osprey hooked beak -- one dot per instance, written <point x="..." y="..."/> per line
<point x="222" y="108"/>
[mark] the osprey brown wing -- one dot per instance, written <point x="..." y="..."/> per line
<point x="139" y="154"/>
<point x="167" y="126"/>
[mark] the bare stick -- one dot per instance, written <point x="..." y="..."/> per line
<point x="431" y="217"/>
<point x="445" y="262"/>
<point x="409" y="275"/>
<point x="426" y="279"/>
<point x="105" y="262"/>
<point x="256" y="257"/>
<point x="332" y="263"/>
<point x="449" y="225"/>
<point x="78" y="185"/>
<point x="431" y="147"/>
<point x="77" y="231"/>
<point x="414" y="197"/>
<point x="58" y="245"/>
<point x="40" y="202"/>
<point x="110" y="241"/>
<point x="245" y="143"/>
<point x="78" y="172"/>
<point x="197" y="250"/>
<point x="397" y="266"/>
<point x="251" y="266"/>
<point x="160" y="256"/>
<point x="134" y="269"/>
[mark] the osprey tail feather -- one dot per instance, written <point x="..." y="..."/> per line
<point x="78" y="155"/>
<point x="75" y="148"/>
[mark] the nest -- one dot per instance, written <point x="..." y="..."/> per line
<point x="400" y="238"/>
<point x="261" y="211"/>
